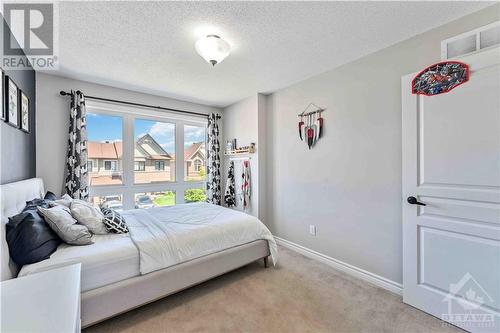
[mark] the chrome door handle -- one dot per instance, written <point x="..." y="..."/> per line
<point x="414" y="201"/>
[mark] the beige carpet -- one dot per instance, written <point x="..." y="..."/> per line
<point x="299" y="295"/>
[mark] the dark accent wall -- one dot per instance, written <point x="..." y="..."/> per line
<point x="17" y="148"/>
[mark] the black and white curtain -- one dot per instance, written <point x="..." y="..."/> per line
<point x="77" y="180"/>
<point x="214" y="195"/>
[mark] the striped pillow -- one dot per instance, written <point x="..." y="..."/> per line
<point x="114" y="222"/>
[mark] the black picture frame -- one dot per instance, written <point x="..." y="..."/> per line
<point x="3" y="115"/>
<point x="24" y="112"/>
<point x="12" y="102"/>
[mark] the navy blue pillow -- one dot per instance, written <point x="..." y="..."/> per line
<point x="50" y="196"/>
<point x="29" y="237"/>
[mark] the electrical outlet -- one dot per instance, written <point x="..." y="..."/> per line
<point x="312" y="230"/>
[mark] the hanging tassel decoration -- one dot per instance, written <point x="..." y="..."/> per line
<point x="301" y="125"/>
<point x="320" y="126"/>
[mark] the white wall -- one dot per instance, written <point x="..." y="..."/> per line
<point x="52" y="120"/>
<point x="241" y="121"/>
<point x="349" y="184"/>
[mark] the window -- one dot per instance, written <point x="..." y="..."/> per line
<point x="89" y="165"/>
<point x="104" y="149"/>
<point x="144" y="158"/>
<point x="197" y="165"/>
<point x="194" y="153"/>
<point x="110" y="165"/>
<point x="154" y="199"/>
<point x="108" y="201"/>
<point x="155" y="143"/>
<point x="159" y="165"/>
<point x="195" y="195"/>
<point x="139" y="166"/>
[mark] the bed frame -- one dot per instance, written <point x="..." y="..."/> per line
<point x="113" y="299"/>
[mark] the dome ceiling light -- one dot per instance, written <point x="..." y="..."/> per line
<point x="213" y="49"/>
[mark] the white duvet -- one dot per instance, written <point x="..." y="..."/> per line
<point x="167" y="236"/>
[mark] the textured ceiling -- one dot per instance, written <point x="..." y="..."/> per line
<point x="149" y="46"/>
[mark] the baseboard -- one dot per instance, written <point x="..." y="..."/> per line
<point x="357" y="272"/>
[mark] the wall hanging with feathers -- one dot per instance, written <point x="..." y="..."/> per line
<point x="311" y="124"/>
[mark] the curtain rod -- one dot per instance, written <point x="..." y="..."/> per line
<point x="64" y="93"/>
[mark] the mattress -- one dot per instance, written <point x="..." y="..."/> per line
<point x="112" y="258"/>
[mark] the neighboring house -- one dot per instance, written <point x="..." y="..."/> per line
<point x="151" y="162"/>
<point x="194" y="161"/>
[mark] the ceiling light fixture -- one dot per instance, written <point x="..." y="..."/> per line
<point x="213" y="49"/>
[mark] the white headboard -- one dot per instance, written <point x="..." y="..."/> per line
<point x="13" y="197"/>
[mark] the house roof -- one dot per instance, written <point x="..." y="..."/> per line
<point x="191" y="150"/>
<point x="114" y="150"/>
<point x="111" y="150"/>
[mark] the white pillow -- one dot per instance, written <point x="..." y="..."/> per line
<point x="88" y="215"/>
<point x="60" y="220"/>
<point x="65" y="201"/>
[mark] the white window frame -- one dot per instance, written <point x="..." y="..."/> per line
<point x="115" y="162"/>
<point x="128" y="188"/>
<point x="475" y="32"/>
<point x="139" y="163"/>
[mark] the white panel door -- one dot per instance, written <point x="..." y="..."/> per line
<point x="451" y="163"/>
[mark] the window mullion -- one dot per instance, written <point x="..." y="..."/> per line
<point x="128" y="161"/>
<point x="179" y="160"/>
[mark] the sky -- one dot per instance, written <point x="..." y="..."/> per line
<point x="109" y="128"/>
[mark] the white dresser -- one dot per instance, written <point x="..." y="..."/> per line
<point x="43" y="302"/>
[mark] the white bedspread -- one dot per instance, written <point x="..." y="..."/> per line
<point x="167" y="236"/>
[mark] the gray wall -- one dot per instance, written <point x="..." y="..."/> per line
<point x="349" y="184"/>
<point x="53" y="120"/>
<point x="17" y="148"/>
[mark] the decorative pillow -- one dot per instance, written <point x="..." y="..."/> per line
<point x="30" y="238"/>
<point x="60" y="220"/>
<point x="88" y="215"/>
<point x="65" y="201"/>
<point x="114" y="222"/>
<point x="50" y="196"/>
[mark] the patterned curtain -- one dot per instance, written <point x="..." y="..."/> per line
<point x="214" y="195"/>
<point x="77" y="179"/>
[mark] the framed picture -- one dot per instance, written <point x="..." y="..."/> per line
<point x="12" y="104"/>
<point x="2" y="102"/>
<point x="25" y="112"/>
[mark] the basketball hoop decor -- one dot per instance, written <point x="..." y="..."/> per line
<point x="440" y="78"/>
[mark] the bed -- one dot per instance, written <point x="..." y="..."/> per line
<point x="168" y="250"/>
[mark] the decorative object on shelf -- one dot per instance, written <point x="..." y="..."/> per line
<point x="213" y="49"/>
<point x="242" y="150"/>
<point x="311" y="125"/>
<point x="2" y="102"/>
<point x="440" y="78"/>
<point x="25" y="112"/>
<point x="12" y="104"/>
<point x="229" y="146"/>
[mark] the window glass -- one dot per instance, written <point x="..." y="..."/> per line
<point x="195" y="195"/>
<point x="139" y="166"/>
<point x="105" y="147"/>
<point x="155" y="149"/>
<point x="194" y="153"/>
<point x="109" y="201"/>
<point x="154" y="199"/>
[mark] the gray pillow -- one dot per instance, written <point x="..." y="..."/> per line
<point x="60" y="220"/>
<point x="88" y="215"/>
